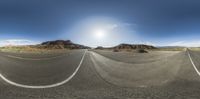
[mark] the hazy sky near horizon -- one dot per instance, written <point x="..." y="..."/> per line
<point x="158" y="22"/>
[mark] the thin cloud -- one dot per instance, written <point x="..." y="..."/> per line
<point x="17" y="42"/>
<point x="111" y="26"/>
<point x="186" y="43"/>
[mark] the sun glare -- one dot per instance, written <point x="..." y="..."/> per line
<point x="100" y="34"/>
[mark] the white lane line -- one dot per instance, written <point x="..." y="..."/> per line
<point x="197" y="71"/>
<point x="11" y="56"/>
<point x="45" y="86"/>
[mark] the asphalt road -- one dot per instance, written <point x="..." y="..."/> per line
<point x="39" y="69"/>
<point x="101" y="76"/>
<point x="163" y="70"/>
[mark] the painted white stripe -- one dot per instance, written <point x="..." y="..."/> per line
<point x="11" y="56"/>
<point x="195" y="68"/>
<point x="45" y="86"/>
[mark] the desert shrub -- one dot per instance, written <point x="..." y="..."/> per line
<point x="129" y="50"/>
<point x="141" y="51"/>
<point x="116" y="50"/>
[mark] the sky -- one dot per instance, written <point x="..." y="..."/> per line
<point x="101" y="22"/>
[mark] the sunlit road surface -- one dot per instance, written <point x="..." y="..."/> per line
<point x="101" y="75"/>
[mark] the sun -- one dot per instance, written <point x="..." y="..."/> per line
<point x="99" y="33"/>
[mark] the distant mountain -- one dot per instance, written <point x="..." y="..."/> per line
<point x="170" y="46"/>
<point x="99" y="47"/>
<point x="61" y="44"/>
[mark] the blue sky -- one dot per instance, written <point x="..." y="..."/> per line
<point x="157" y="22"/>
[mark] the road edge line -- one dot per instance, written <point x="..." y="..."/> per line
<point x="194" y="66"/>
<point x="16" y="57"/>
<point x="45" y="86"/>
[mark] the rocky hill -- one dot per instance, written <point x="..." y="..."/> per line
<point x="127" y="47"/>
<point x="133" y="46"/>
<point x="61" y="44"/>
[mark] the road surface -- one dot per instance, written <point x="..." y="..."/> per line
<point x="101" y="76"/>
